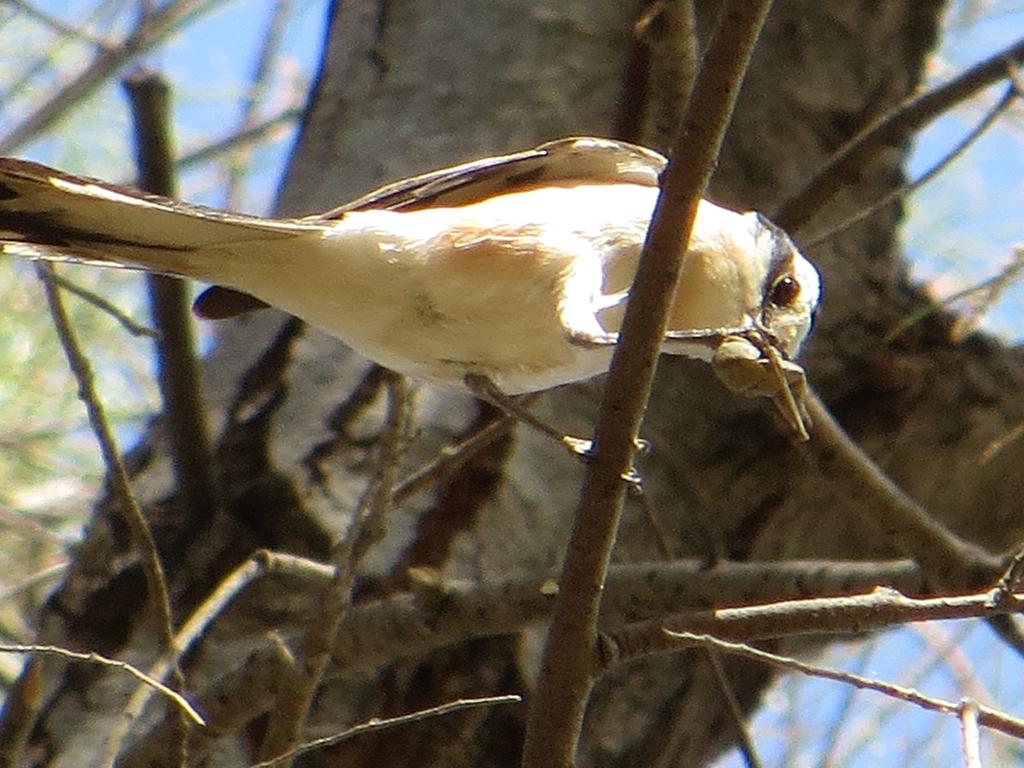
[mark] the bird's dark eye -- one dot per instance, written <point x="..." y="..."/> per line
<point x="783" y="291"/>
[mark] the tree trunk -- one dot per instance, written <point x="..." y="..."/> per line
<point x="405" y="87"/>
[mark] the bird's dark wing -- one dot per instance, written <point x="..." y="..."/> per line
<point x="565" y="161"/>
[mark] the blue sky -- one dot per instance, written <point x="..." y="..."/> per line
<point x="963" y="224"/>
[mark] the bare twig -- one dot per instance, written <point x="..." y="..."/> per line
<point x="566" y="677"/>
<point x="989" y="289"/>
<point x="948" y="560"/>
<point x="998" y="444"/>
<point x="178" y="374"/>
<point x="239" y="139"/>
<point x="94" y="658"/>
<point x="892" y="129"/>
<point x="148" y="33"/>
<point x="377" y="724"/>
<point x="990" y="718"/>
<point x="262" y="72"/>
<point x="228" y="703"/>
<point x="919" y="670"/>
<point x="57" y="24"/>
<point x="33" y="581"/>
<point x="126" y="322"/>
<point x="298" y="689"/>
<point x="43" y="63"/>
<point x="117" y="476"/>
<point x="969" y="712"/>
<point x="840" y="721"/>
<point x="451" y="457"/>
<point x="878" y="609"/>
<point x="149" y="96"/>
<point x="1010" y="581"/>
<point x="986" y="122"/>
<point x="260" y="563"/>
<point x="746" y="743"/>
<point x="669" y="30"/>
<point x="401" y="625"/>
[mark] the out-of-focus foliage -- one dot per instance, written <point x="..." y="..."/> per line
<point x="50" y="468"/>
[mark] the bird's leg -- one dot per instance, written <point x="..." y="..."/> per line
<point x="485" y="388"/>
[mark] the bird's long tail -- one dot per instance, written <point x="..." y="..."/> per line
<point x="48" y="214"/>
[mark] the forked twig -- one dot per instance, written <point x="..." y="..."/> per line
<point x="95" y="658"/>
<point x="377" y="724"/>
<point x="988" y="717"/>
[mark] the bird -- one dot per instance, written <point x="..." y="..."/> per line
<point x="507" y="275"/>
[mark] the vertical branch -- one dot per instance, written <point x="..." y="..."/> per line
<point x="567" y="672"/>
<point x="262" y="72"/>
<point x="670" y="33"/>
<point x="298" y="688"/>
<point x="177" y="366"/>
<point x="117" y="476"/>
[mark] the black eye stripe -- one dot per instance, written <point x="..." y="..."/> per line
<point x="780" y="262"/>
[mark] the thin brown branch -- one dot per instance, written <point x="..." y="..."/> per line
<point x="879" y="609"/>
<point x="566" y="677"/>
<point x="746" y="744"/>
<point x="42" y="65"/>
<point x="236" y="140"/>
<point x="262" y="71"/>
<point x="31" y="582"/>
<point x="377" y="724"/>
<point x="891" y="130"/>
<point x="57" y="24"/>
<point x="949" y="561"/>
<point x="668" y="29"/>
<point x="451" y="457"/>
<point x="95" y="658"/>
<point x="228" y="704"/>
<point x="117" y="476"/>
<point x="147" y="33"/>
<point x="990" y="718"/>
<point x="149" y="96"/>
<point x="841" y="720"/>
<point x="183" y="404"/>
<point x="91" y="297"/>
<point x="260" y="563"/>
<point x="298" y="689"/>
<point x="402" y="625"/>
<point x="407" y="625"/>
<point x="986" y="122"/>
<point x="989" y="289"/>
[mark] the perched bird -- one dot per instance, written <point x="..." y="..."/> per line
<point x="509" y="274"/>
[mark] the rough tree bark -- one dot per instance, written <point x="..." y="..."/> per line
<point x="410" y="86"/>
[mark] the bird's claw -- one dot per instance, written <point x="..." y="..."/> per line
<point x="634" y="482"/>
<point x="584" y="449"/>
<point x="578" y="446"/>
